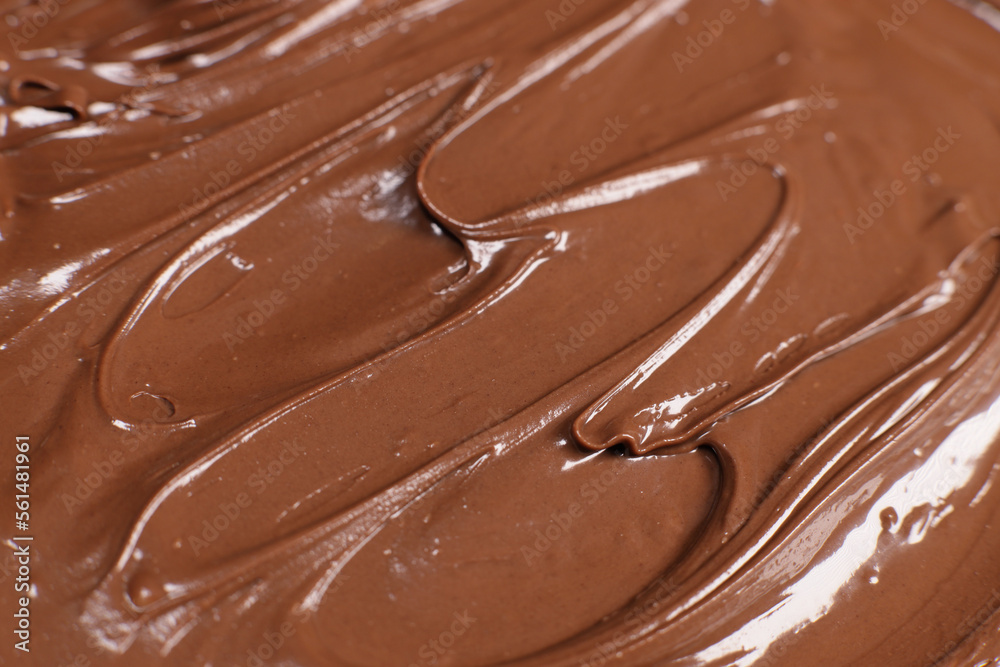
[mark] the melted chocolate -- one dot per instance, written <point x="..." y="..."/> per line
<point x="550" y="333"/>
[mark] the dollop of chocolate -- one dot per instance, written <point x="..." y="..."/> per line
<point x="544" y="333"/>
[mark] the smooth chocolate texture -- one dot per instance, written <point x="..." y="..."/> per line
<point x="534" y="333"/>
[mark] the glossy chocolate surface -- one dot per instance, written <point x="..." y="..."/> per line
<point x="472" y="333"/>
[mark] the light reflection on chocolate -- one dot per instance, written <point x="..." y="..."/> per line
<point x="441" y="332"/>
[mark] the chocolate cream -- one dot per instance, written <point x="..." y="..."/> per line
<point x="544" y="333"/>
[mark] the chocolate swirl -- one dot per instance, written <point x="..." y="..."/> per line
<point x="556" y="334"/>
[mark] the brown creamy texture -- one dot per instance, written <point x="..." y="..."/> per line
<point x="474" y="333"/>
